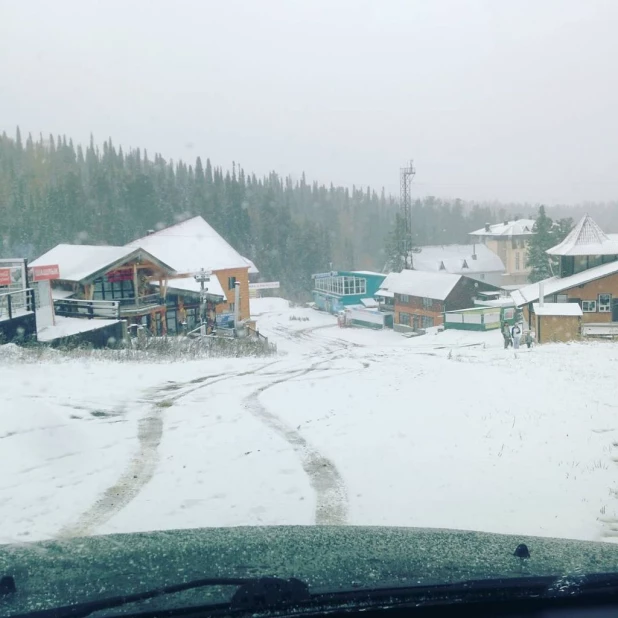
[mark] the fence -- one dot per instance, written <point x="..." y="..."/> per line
<point x="16" y="302"/>
<point x="75" y="308"/>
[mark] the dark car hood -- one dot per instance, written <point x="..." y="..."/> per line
<point x="64" y="572"/>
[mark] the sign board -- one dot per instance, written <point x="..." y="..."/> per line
<point x="122" y="274"/>
<point x="45" y="273"/>
<point x="265" y="285"/>
<point x="321" y="275"/>
<point x="5" y="276"/>
<point x="225" y="319"/>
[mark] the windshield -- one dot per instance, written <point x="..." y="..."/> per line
<point x="270" y="265"/>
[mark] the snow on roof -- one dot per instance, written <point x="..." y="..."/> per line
<point x="58" y="294"/>
<point x="367" y="272"/>
<point x="521" y="227"/>
<point x="457" y="259"/>
<point x="560" y="309"/>
<point x="553" y="285"/>
<point x="189" y="284"/>
<point x="425" y="284"/>
<point x="252" y="267"/>
<point x="190" y="246"/>
<point x="386" y="287"/>
<point x="79" y="262"/>
<point x="369" y="302"/>
<point x="65" y="327"/>
<point x="586" y="238"/>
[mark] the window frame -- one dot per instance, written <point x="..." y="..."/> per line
<point x="427" y="303"/>
<point x="604" y="307"/>
<point x="408" y="318"/>
<point x="593" y="302"/>
<point x="231" y="283"/>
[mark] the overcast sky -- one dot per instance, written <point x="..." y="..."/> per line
<point x="512" y="100"/>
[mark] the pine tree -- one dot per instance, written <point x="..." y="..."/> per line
<point x="537" y="259"/>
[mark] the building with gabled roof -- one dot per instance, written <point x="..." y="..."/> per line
<point x="194" y="244"/>
<point x="509" y="241"/>
<point x="587" y="275"/>
<point x="421" y="298"/>
<point x="475" y="261"/>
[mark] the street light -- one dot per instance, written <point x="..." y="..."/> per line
<point x="202" y="277"/>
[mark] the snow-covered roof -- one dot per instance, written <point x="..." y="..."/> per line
<point x="83" y="262"/>
<point x="386" y="288"/>
<point x="369" y="302"/>
<point x="560" y="309"/>
<point x="586" y="238"/>
<point x="521" y="227"/>
<point x="58" y="294"/>
<point x="367" y="272"/>
<point x="553" y="285"/>
<point x="252" y="267"/>
<point x="424" y="284"/>
<point x="190" y="246"/>
<point x="457" y="259"/>
<point x="189" y="284"/>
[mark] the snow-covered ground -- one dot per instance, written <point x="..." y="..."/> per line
<point x="342" y="426"/>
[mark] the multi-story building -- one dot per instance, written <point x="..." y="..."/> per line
<point x="509" y="241"/>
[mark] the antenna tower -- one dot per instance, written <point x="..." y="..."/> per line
<point x="406" y="175"/>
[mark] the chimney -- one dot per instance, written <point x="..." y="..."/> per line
<point x="474" y="252"/>
<point x="541" y="293"/>
<point x="150" y="232"/>
<point x="487" y="227"/>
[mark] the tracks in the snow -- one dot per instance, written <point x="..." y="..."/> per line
<point x="329" y="488"/>
<point x="142" y="465"/>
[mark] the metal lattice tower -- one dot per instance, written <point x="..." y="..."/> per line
<point x="406" y="175"/>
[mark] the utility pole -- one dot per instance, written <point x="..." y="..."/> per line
<point x="202" y="277"/>
<point x="406" y="174"/>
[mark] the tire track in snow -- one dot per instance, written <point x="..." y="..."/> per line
<point x="142" y="466"/>
<point x="331" y="495"/>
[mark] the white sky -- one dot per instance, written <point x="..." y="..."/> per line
<point x="513" y="100"/>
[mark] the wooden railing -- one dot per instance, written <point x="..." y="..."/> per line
<point x="78" y="308"/>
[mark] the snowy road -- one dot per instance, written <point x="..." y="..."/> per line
<point x="344" y="426"/>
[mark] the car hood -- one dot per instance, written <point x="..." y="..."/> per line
<point x="63" y="572"/>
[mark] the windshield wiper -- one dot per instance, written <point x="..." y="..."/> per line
<point x="259" y="592"/>
<point x="271" y="593"/>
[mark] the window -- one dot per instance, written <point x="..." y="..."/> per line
<point x="605" y="303"/>
<point x="514" y="243"/>
<point x="231" y="283"/>
<point x="562" y="298"/>
<point x="427" y="303"/>
<point x="589" y="306"/>
<point x="105" y="290"/>
<point x="404" y="318"/>
<point x="517" y="264"/>
<point x="232" y="307"/>
<point x="426" y="321"/>
<point x="404" y="298"/>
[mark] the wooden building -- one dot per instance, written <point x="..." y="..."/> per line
<point x="421" y="298"/>
<point x="554" y="322"/>
<point x="192" y="245"/>
<point x="587" y="275"/>
<point x="125" y="282"/>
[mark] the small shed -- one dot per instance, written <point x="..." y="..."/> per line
<point x="557" y="321"/>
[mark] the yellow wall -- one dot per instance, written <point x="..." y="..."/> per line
<point x="242" y="276"/>
<point x="553" y="328"/>
<point x="503" y="247"/>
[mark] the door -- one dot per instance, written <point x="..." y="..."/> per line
<point x="615" y="310"/>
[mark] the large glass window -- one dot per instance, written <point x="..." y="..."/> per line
<point x="404" y="318"/>
<point x="116" y="290"/>
<point x="426" y="321"/>
<point x="341" y="285"/>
